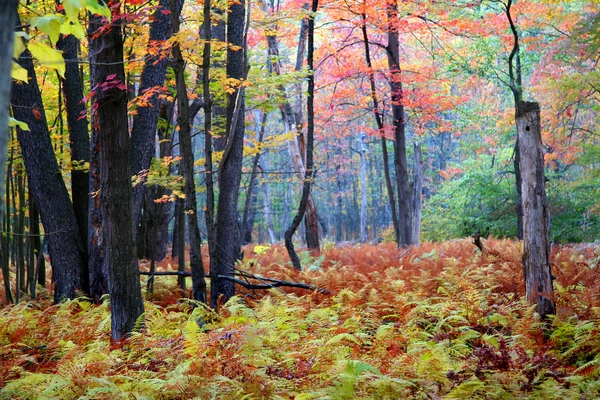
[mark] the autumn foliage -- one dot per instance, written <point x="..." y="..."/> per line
<point x="439" y="321"/>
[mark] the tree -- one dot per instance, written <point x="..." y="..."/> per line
<point x="230" y="168"/>
<point x="143" y="130"/>
<point x="534" y="217"/>
<point x="8" y="20"/>
<point x="310" y="127"/>
<point x="65" y="245"/>
<point x="79" y="138"/>
<point x="187" y="165"/>
<point x="109" y="118"/>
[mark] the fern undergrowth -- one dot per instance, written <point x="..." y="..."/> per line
<point x="440" y="321"/>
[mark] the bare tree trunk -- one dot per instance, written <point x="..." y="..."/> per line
<point x="399" y="123"/>
<point x="417" y="196"/>
<point x="187" y="163"/>
<point x="364" y="233"/>
<point x="66" y="247"/>
<point x="8" y="21"/>
<point x="229" y="173"/>
<point x="536" y="217"/>
<point x="79" y="138"/>
<point x="109" y="116"/>
<point x="309" y="173"/>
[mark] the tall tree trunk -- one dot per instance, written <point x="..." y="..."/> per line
<point x="187" y="164"/>
<point x="379" y="121"/>
<point x="399" y="124"/>
<point x="417" y="196"/>
<point x="364" y="233"/>
<point x="8" y="21"/>
<point x="310" y="126"/>
<point x="230" y="169"/>
<point x="109" y="117"/>
<point x="211" y="110"/>
<point x="77" y="123"/>
<point x="218" y="33"/>
<point x="143" y="130"/>
<point x="65" y="245"/>
<point x="98" y="274"/>
<point x="536" y="217"/>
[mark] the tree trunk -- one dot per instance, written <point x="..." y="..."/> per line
<point x="8" y="21"/>
<point x="77" y="123"/>
<point x="364" y="233"/>
<point x="399" y="124"/>
<point x="65" y="245"/>
<point x="536" y="217"/>
<point x="230" y="169"/>
<point x="218" y="32"/>
<point x="34" y="229"/>
<point x="143" y="130"/>
<point x="109" y="117"/>
<point x="187" y="165"/>
<point x="379" y="121"/>
<point x="310" y="126"/>
<point x="417" y="196"/>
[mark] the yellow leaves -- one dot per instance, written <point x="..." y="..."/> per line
<point x="48" y="57"/>
<point x="18" y="73"/>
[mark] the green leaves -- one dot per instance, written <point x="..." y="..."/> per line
<point x="49" y="24"/>
<point x="95" y="8"/>
<point x="48" y="56"/>
<point x="13" y="122"/>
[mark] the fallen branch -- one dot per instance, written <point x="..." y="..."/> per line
<point x="269" y="283"/>
<point x="180" y="273"/>
<point x="274" y="283"/>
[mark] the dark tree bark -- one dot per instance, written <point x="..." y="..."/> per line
<point x="217" y="32"/>
<point x="79" y="139"/>
<point x="109" y="116"/>
<point x="34" y="229"/>
<point x="187" y="164"/>
<point x="98" y="274"/>
<point x="97" y="268"/>
<point x="65" y="245"/>
<point x="227" y="248"/>
<point x="310" y="127"/>
<point x="536" y="217"/>
<point x="209" y="127"/>
<point x="143" y="130"/>
<point x="399" y="123"/>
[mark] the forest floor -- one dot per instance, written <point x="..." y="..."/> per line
<point x="439" y="321"/>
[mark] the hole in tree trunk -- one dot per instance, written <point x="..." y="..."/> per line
<point x="527" y="128"/>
